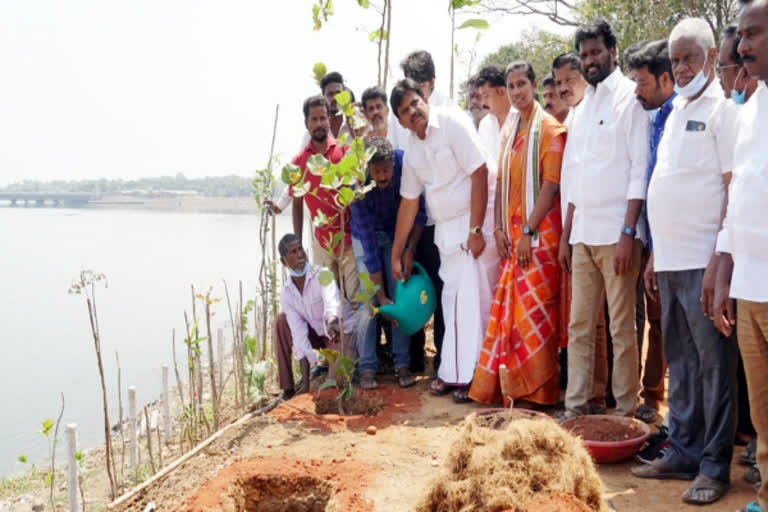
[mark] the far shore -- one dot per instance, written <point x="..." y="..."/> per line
<point x="178" y="203"/>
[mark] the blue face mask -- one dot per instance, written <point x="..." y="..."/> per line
<point x="299" y="273"/>
<point x="738" y="98"/>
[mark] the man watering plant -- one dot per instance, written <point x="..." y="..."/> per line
<point x="373" y="223"/>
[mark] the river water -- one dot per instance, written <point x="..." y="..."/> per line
<point x="150" y="260"/>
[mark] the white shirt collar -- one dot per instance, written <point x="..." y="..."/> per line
<point x="713" y="91"/>
<point x="611" y="82"/>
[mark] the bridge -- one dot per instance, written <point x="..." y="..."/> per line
<point x="41" y="199"/>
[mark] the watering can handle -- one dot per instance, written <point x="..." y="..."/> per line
<point x="417" y="266"/>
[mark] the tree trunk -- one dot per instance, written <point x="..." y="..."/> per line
<point x="453" y="56"/>
<point x="388" y="7"/>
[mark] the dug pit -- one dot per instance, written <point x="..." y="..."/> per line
<point x="277" y="493"/>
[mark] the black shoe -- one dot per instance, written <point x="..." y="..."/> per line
<point x="655" y="446"/>
<point x="287" y="394"/>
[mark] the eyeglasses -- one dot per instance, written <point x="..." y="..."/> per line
<point x="719" y="69"/>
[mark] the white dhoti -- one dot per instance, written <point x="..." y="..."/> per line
<point x="468" y="287"/>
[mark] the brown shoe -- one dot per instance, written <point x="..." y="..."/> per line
<point x="662" y="470"/>
<point x="405" y="378"/>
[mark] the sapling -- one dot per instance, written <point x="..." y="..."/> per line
<point x="346" y="179"/>
<point x="85" y="284"/>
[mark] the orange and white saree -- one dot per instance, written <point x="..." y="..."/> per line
<point x="524" y="331"/>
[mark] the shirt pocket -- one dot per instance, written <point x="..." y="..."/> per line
<point x="696" y="150"/>
<point x="316" y="308"/>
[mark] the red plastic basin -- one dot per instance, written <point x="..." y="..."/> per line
<point x="604" y="452"/>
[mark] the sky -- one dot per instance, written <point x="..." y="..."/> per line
<point x="101" y="88"/>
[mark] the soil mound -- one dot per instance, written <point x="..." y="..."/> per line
<point x="592" y="428"/>
<point x="505" y="470"/>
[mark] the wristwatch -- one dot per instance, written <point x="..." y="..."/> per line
<point x="527" y="230"/>
<point x="477" y="230"/>
<point x="629" y="231"/>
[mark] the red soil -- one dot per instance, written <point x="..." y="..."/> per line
<point x="394" y="402"/>
<point x="348" y="477"/>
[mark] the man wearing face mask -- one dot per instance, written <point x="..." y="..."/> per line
<point x="734" y="78"/>
<point x="606" y="158"/>
<point x="309" y="318"/>
<point x="686" y="201"/>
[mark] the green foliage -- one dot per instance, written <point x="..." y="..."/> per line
<point x="325" y="277"/>
<point x="48" y="425"/>
<point x="193" y="341"/>
<point x="22" y="458"/>
<point x="476" y="23"/>
<point x="321" y="11"/>
<point x="319" y="70"/>
<point x="378" y="35"/>
<point x="460" y="4"/>
<point x="535" y="46"/>
<point x="79" y="456"/>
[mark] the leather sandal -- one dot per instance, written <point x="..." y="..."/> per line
<point x="405" y="378"/>
<point x="368" y="380"/>
<point x="705" y="490"/>
<point x="662" y="470"/>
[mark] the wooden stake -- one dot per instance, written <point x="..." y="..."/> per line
<point x="166" y="407"/>
<point x="220" y="353"/>
<point x="132" y="428"/>
<point x="73" y="487"/>
<point x="503" y="376"/>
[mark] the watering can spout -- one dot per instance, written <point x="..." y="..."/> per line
<point x="413" y="303"/>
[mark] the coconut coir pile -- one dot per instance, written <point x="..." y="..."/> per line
<point x="508" y="470"/>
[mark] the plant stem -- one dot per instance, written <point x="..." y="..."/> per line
<point x="53" y="451"/>
<point x="149" y="440"/>
<point x="122" y="427"/>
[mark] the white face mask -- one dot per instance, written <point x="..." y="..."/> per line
<point x="694" y="87"/>
<point x="299" y="273"/>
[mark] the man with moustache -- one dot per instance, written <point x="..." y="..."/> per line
<point x="493" y="94"/>
<point x="655" y="90"/>
<point x="734" y="78"/>
<point x="607" y="144"/>
<point x="317" y="120"/>
<point x="552" y="101"/>
<point x="383" y="124"/>
<point x="743" y="241"/>
<point x="686" y="199"/>
<point x="570" y="86"/>
<point x="419" y="67"/>
<point x="474" y="103"/>
<point x="446" y="162"/>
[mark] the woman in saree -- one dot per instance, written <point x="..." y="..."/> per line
<point x="524" y="331"/>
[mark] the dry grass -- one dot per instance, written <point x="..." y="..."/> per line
<point x="505" y="470"/>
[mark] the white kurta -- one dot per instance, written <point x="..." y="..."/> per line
<point x="441" y="166"/>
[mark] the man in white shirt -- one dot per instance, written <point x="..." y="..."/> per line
<point x="420" y="67"/>
<point x="570" y="86"/>
<point x="743" y="242"/>
<point x="382" y="122"/>
<point x="309" y="319"/>
<point x="686" y="198"/>
<point x="493" y="92"/>
<point x="446" y="162"/>
<point x="475" y="107"/>
<point x="607" y="157"/>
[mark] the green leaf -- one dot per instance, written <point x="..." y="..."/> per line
<point x="343" y="99"/>
<point x="319" y="70"/>
<point x="317" y="164"/>
<point x="329" y="355"/>
<point x="459" y="4"/>
<point x="362" y="297"/>
<point x="477" y="23"/>
<point x="47" y="426"/>
<point x="346" y="196"/>
<point x="301" y="189"/>
<point x="320" y="220"/>
<point x="48" y="479"/>
<point x="291" y="174"/>
<point x="325" y="278"/>
<point x="250" y="345"/>
<point x="378" y="35"/>
<point x="330" y="383"/>
<point x="22" y="459"/>
<point x="363" y="3"/>
<point x="79" y="456"/>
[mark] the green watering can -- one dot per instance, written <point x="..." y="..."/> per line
<point x="414" y="302"/>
